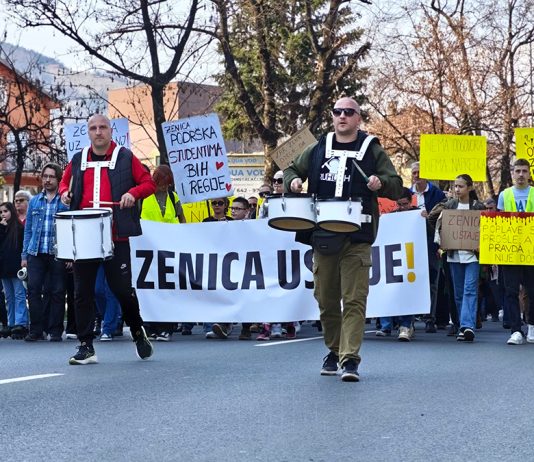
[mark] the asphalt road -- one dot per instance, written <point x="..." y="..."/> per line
<point x="229" y="400"/>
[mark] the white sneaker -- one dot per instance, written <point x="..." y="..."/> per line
<point x="276" y="331"/>
<point x="211" y="334"/>
<point x="530" y="334"/>
<point x="516" y="339"/>
<point x="405" y="334"/>
<point x="72" y="336"/>
<point x="106" y="338"/>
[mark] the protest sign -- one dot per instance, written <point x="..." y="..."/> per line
<point x="120" y="132"/>
<point x="291" y="148"/>
<point x="444" y="157"/>
<point x="188" y="273"/>
<point x="460" y="229"/>
<point x="197" y="157"/>
<point x="507" y="238"/>
<point x="77" y="136"/>
<point x="524" y="146"/>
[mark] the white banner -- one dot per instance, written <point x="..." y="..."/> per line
<point x="197" y="157"/>
<point x="245" y="271"/>
<point x="77" y="137"/>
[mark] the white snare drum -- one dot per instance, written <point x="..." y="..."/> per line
<point x="83" y="235"/>
<point x="291" y="212"/>
<point x="340" y="215"/>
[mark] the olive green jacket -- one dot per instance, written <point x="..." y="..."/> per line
<point x="385" y="171"/>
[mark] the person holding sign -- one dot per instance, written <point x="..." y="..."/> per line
<point x="109" y="175"/>
<point x="163" y="206"/>
<point x="341" y="266"/>
<point x="518" y="198"/>
<point x="463" y="264"/>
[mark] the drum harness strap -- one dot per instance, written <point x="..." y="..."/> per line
<point x="343" y="155"/>
<point x="96" y="189"/>
<point x="98" y="171"/>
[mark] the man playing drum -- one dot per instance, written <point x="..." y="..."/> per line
<point x="346" y="167"/>
<point x="105" y="174"/>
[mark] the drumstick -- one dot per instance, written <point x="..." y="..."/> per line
<point x="365" y="177"/>
<point x="106" y="203"/>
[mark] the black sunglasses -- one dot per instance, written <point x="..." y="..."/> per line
<point x="278" y="180"/>
<point x="349" y="112"/>
<point x="263" y="194"/>
<point x="217" y="203"/>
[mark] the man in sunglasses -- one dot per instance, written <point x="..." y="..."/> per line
<point x="341" y="271"/>
<point x="278" y="182"/>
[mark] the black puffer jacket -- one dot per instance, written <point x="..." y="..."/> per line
<point x="10" y="254"/>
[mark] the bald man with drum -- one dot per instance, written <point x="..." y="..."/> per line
<point x="345" y="169"/>
<point x="106" y="175"/>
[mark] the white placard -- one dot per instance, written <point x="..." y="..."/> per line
<point x="245" y="271"/>
<point x="77" y="137"/>
<point x="197" y="157"/>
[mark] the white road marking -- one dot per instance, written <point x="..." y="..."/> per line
<point x="28" y="377"/>
<point x="285" y="342"/>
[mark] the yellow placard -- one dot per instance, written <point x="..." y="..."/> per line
<point x="444" y="157"/>
<point x="195" y="212"/>
<point x="524" y="146"/>
<point x="507" y="238"/>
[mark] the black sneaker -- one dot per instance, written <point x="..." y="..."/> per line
<point x="430" y="327"/>
<point x="5" y="332"/>
<point x="330" y="364"/>
<point x="469" y="335"/>
<point x="18" y="332"/>
<point x="220" y="331"/>
<point x="86" y="355"/>
<point x="350" y="371"/>
<point x="163" y="336"/>
<point x="143" y="347"/>
<point x="31" y="337"/>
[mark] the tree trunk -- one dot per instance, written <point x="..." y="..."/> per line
<point x="157" y="92"/>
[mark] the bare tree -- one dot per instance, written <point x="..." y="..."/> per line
<point x="145" y="41"/>
<point x="27" y="138"/>
<point x="457" y="63"/>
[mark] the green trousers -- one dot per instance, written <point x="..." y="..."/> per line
<point x="343" y="277"/>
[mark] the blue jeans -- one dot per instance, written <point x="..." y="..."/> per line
<point x="404" y="321"/>
<point x="107" y="304"/>
<point x="465" y="279"/>
<point x="15" y="293"/>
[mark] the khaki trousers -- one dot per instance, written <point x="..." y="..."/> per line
<point x="343" y="277"/>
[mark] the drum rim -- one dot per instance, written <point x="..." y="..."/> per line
<point x="289" y="195"/>
<point x="272" y="224"/>
<point x="319" y="225"/>
<point x="93" y="213"/>
<point x="339" y="199"/>
<point x="82" y="260"/>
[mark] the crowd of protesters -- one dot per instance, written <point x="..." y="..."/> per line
<point x="464" y="293"/>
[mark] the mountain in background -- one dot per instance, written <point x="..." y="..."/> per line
<point x="80" y="93"/>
